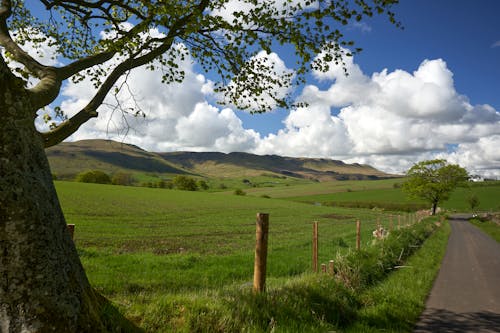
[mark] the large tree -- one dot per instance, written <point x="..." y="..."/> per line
<point x="43" y="286"/>
<point x="434" y="181"/>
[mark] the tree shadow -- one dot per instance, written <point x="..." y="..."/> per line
<point x="438" y="320"/>
<point x="113" y="320"/>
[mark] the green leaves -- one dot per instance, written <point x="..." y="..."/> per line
<point x="434" y="180"/>
<point x="223" y="36"/>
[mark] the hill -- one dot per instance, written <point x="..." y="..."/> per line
<point x="69" y="158"/>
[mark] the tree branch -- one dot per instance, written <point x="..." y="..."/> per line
<point x="90" y="110"/>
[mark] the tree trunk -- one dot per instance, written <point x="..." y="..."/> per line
<point x="43" y="287"/>
<point x="434" y="207"/>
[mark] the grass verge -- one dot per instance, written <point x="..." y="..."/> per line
<point x="490" y="227"/>
<point x="395" y="304"/>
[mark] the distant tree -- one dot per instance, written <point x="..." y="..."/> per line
<point x="433" y="181"/>
<point x="122" y="178"/>
<point x="184" y="183"/>
<point x="47" y="288"/>
<point x="93" y="176"/>
<point x="203" y="185"/>
<point x="473" y="201"/>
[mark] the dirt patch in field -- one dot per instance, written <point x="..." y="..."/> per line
<point x="334" y="216"/>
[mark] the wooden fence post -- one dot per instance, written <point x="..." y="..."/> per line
<point x="261" y="236"/>
<point x="399" y="222"/>
<point x="391" y="226"/>
<point x="323" y="268"/>
<point x="71" y="229"/>
<point x="315" y="247"/>
<point x="331" y="268"/>
<point x="358" y="234"/>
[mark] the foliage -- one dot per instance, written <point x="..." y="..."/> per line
<point x="184" y="183"/>
<point x="203" y="185"/>
<point x="93" y="176"/>
<point x="122" y="178"/>
<point x="473" y="201"/>
<point x="235" y="46"/>
<point x="433" y="181"/>
<point x="239" y="191"/>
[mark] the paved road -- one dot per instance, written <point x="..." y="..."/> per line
<point x="466" y="294"/>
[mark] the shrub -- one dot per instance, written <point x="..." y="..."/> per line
<point x="184" y="183"/>
<point x="93" y="176"/>
<point x="203" y="185"/>
<point x="239" y="191"/>
<point x="122" y="178"/>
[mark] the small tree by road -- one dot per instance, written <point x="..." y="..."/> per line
<point x="433" y="181"/>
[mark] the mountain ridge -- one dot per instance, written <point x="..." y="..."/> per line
<point x="69" y="158"/>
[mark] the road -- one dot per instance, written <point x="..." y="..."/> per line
<point x="466" y="294"/>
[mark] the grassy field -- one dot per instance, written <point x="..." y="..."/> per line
<point x="152" y="237"/>
<point x="162" y="255"/>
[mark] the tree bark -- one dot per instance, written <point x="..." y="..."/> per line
<point x="43" y="287"/>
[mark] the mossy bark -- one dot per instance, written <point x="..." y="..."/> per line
<point x="43" y="286"/>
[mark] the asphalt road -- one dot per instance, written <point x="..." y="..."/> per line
<point x="466" y="294"/>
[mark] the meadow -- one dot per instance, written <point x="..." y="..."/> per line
<point x="165" y="256"/>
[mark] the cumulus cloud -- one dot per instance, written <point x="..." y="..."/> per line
<point x="390" y="120"/>
<point x="178" y="116"/>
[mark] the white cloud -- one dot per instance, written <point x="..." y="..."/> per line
<point x="496" y="44"/>
<point x="389" y="120"/>
<point x="178" y="116"/>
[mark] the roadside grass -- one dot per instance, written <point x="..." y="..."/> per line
<point x="395" y="304"/>
<point x="490" y="227"/>
<point x="303" y="303"/>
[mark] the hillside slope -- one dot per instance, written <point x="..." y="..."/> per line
<point x="69" y="158"/>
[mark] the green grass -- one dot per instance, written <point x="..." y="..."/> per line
<point x="382" y="194"/>
<point x="154" y="239"/>
<point x="326" y="188"/>
<point x="395" y="304"/>
<point x="146" y="248"/>
<point x="490" y="227"/>
<point x="183" y="261"/>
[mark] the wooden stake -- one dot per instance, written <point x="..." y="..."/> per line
<point x="315" y="247"/>
<point x="399" y="222"/>
<point x="358" y="235"/>
<point x="391" y="226"/>
<point x="331" y="267"/>
<point x="261" y="236"/>
<point x="323" y="268"/>
<point x="71" y="229"/>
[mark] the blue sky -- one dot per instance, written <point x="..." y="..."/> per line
<point x="463" y="33"/>
<point x="430" y="90"/>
